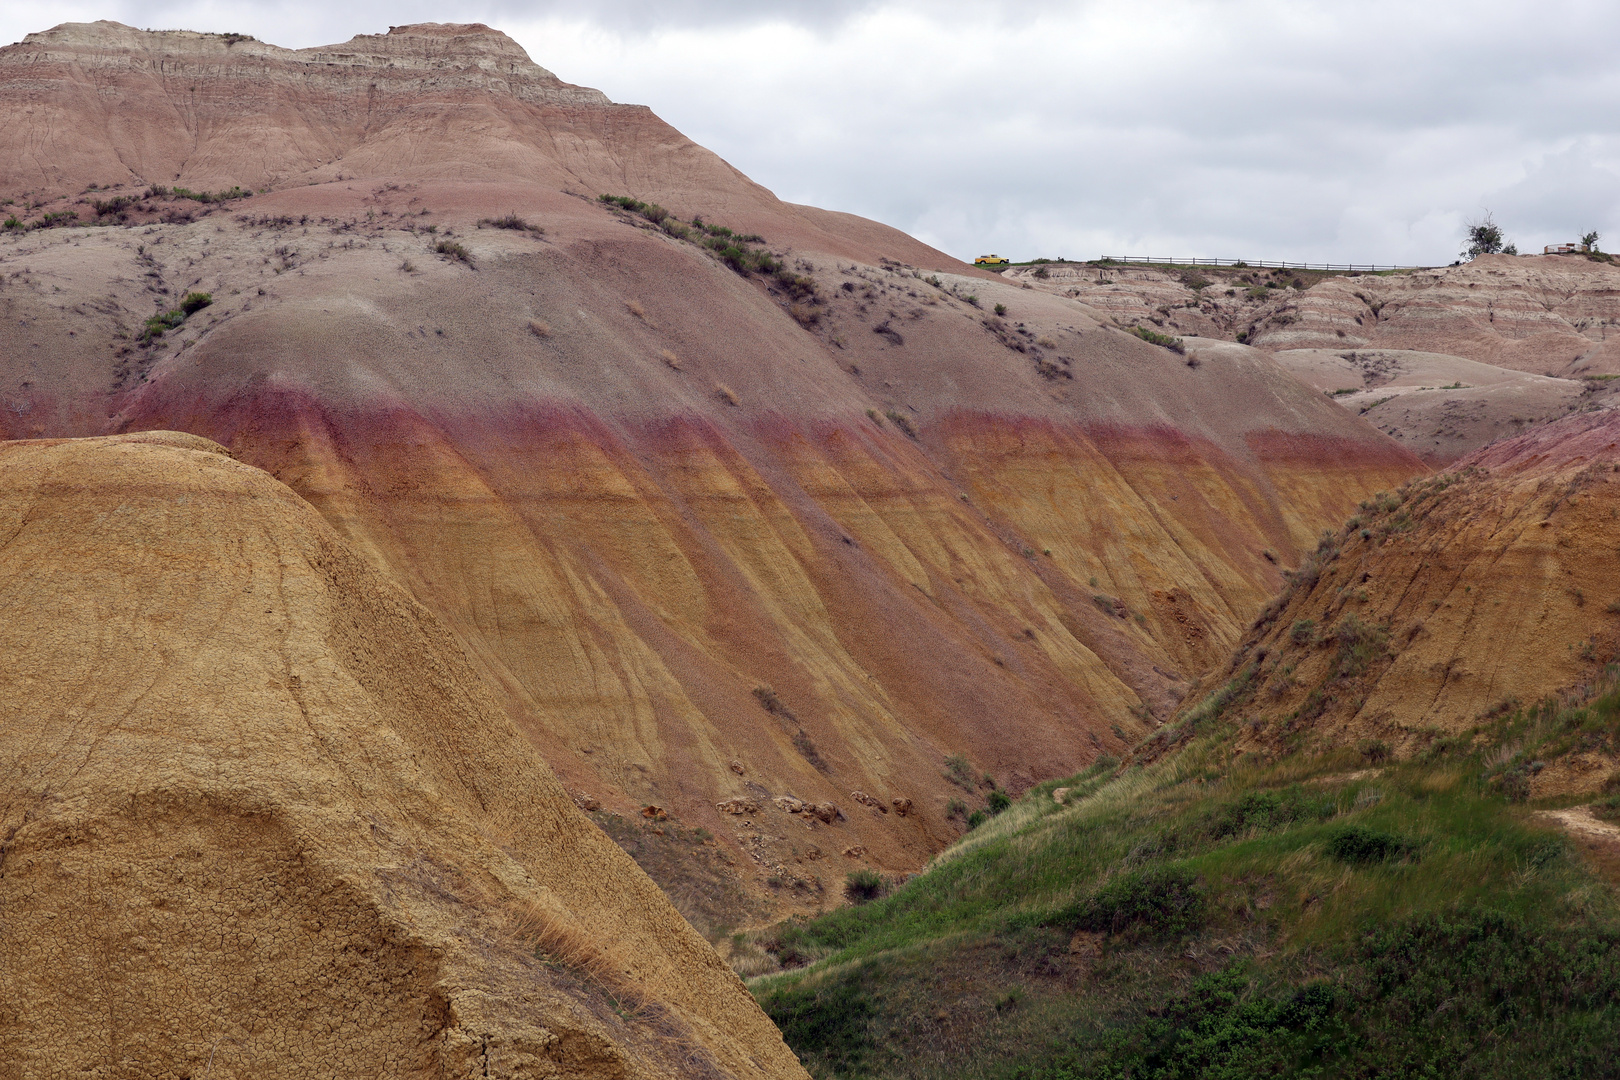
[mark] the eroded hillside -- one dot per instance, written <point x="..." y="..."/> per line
<point x="1445" y="605"/>
<point x="263" y="818"/>
<point x="772" y="510"/>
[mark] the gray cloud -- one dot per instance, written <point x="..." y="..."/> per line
<point x="1241" y="128"/>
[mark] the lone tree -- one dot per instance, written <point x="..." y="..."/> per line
<point x="1484" y="237"/>
<point x="1589" y="241"/>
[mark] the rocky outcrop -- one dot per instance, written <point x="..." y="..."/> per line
<point x="262" y="818"/>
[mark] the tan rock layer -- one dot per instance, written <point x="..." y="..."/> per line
<point x="261" y="818"/>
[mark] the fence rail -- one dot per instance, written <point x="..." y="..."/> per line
<point x="1260" y="263"/>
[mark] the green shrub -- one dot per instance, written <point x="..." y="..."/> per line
<point x="453" y="251"/>
<point x="195" y="302"/>
<point x="513" y="222"/>
<point x="1153" y="337"/>
<point x="1359" y="643"/>
<point x="999" y="800"/>
<point x="1360" y="846"/>
<point x="1303" y="631"/>
<point x="158" y="325"/>
<point x="1157" y="902"/>
<point x="863" y="886"/>
<point x="977" y="818"/>
<point x="1001" y="309"/>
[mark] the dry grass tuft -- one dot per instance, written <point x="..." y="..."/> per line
<point x="539" y="328"/>
<point x="669" y="358"/>
<point x="726" y="394"/>
<point x="558" y="940"/>
<point x="636" y="309"/>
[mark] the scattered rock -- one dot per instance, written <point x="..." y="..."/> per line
<point x="737" y="767"/>
<point x="901" y="806"/>
<point x="655" y="813"/>
<point x="855" y="851"/>
<point x="866" y="800"/>
<point x="1058" y="795"/>
<point x="737" y="806"/>
<point x="789" y="803"/>
<point x="827" y="812"/>
<point x="587" y="802"/>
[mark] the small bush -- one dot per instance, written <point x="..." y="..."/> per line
<point x="977" y="818"/>
<point x="864" y="886"/>
<point x="999" y="801"/>
<point x="1153" y="337"/>
<point x="1360" y="643"/>
<point x="1160" y="901"/>
<point x="195" y="302"/>
<point x="1001" y="309"/>
<point x="903" y="422"/>
<point x="158" y="325"/>
<point x="453" y="251"/>
<point x="512" y="221"/>
<point x="959" y="771"/>
<point x="1360" y="846"/>
<point x="1303" y="632"/>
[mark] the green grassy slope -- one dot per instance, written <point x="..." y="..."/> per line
<point x="1204" y="917"/>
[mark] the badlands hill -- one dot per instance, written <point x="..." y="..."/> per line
<point x="777" y="509"/>
<point x="1446" y="605"/>
<point x="263" y="818"/>
<point x="1444" y="360"/>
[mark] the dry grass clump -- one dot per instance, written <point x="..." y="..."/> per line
<point x="726" y="394"/>
<point x="558" y="940"/>
<point x="670" y="359"/>
<point x="512" y="221"/>
<point x="636" y="309"/>
<point x="539" y="328"/>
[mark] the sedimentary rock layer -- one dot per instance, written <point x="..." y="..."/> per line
<point x="262" y="817"/>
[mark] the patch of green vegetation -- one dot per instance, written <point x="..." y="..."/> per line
<point x="1153" y="337"/>
<point x="513" y="222"/>
<point x="744" y="253"/>
<point x="1207" y="913"/>
<point x="158" y="191"/>
<point x="454" y="252"/>
<point x="1344" y="390"/>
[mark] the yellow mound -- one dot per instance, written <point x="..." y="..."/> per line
<point x="260" y="817"/>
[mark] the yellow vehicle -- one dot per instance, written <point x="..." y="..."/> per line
<point x="990" y="260"/>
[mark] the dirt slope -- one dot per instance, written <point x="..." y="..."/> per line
<point x="1448" y="601"/>
<point x="262" y="817"/>
<point x="650" y="495"/>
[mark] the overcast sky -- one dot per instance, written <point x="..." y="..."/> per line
<point x="1298" y="129"/>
